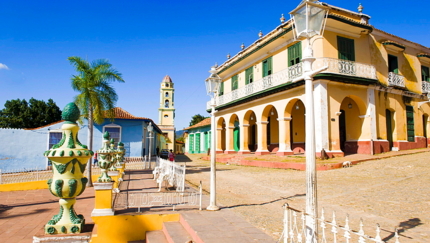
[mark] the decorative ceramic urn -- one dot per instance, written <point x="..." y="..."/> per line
<point x="120" y="154"/>
<point x="105" y="159"/>
<point x="114" y="155"/>
<point x="69" y="158"/>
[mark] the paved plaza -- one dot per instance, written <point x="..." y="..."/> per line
<point x="393" y="192"/>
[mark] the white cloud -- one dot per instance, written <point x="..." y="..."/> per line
<point x="3" y="66"/>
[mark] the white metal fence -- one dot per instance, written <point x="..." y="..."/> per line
<point x="328" y="230"/>
<point x="41" y="174"/>
<point x="170" y="172"/>
<point x="126" y="200"/>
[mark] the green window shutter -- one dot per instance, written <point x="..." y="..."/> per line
<point x="393" y="65"/>
<point x="294" y="54"/>
<point x="425" y="74"/>
<point x="197" y="143"/>
<point x="234" y="82"/>
<point x="221" y="89"/>
<point x="267" y="67"/>
<point x="345" y="48"/>
<point x="410" y="123"/>
<point x="191" y="145"/>
<point x="249" y="75"/>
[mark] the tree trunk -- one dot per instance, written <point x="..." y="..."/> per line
<point x="90" y="147"/>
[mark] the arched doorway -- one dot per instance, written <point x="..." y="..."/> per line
<point x="235" y="133"/>
<point x="221" y="144"/>
<point x="389" y="119"/>
<point x="425" y="119"/>
<point x="350" y="126"/>
<point x="250" y="120"/>
<point x="298" y="127"/>
<point x="270" y="115"/>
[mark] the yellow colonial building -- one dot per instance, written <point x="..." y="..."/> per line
<point x="371" y="99"/>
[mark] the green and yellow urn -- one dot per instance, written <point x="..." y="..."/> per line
<point x="69" y="158"/>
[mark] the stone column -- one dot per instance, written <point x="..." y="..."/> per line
<point x="229" y="140"/>
<point x="69" y="158"/>
<point x="244" y="137"/>
<point x="219" y="140"/>
<point x="321" y="115"/>
<point x="284" y="137"/>
<point x="262" y="138"/>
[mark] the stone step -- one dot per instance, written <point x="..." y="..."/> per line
<point x="156" y="237"/>
<point x="176" y="233"/>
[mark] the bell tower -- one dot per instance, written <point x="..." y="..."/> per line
<point x="166" y="112"/>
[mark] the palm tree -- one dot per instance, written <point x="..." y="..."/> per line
<point x="96" y="95"/>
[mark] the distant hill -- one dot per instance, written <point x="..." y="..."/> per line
<point x="179" y="133"/>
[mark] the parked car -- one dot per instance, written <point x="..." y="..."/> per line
<point x="164" y="154"/>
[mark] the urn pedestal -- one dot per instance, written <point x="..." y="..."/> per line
<point x="69" y="159"/>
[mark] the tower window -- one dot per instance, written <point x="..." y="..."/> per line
<point x="167" y="94"/>
<point x="167" y="85"/>
<point x="166" y="104"/>
<point x="165" y="116"/>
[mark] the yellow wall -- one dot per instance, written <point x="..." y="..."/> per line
<point x="124" y="228"/>
<point x="31" y="185"/>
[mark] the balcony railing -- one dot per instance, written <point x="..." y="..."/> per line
<point x="395" y="79"/>
<point x="426" y="87"/>
<point x="293" y="73"/>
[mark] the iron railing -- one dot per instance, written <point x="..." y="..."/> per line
<point x="426" y="87"/>
<point x="328" y="231"/>
<point x="395" y="79"/>
<point x="126" y="200"/>
<point x="294" y="73"/>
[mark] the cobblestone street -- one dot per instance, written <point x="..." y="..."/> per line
<point x="393" y="192"/>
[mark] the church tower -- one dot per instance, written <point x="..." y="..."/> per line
<point x="166" y="112"/>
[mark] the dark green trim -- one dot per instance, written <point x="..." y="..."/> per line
<point x="284" y="31"/>
<point x="394" y="44"/>
<point x="353" y="23"/>
<point x="423" y="55"/>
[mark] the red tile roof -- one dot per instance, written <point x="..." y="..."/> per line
<point x="167" y="79"/>
<point x="119" y="113"/>
<point x="205" y="122"/>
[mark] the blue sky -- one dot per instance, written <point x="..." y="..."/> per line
<point x="146" y="40"/>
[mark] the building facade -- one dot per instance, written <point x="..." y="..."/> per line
<point x="166" y="112"/>
<point x="198" y="139"/>
<point x="371" y="99"/>
<point x="24" y="148"/>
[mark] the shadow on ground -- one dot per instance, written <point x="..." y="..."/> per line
<point x="403" y="226"/>
<point x="264" y="203"/>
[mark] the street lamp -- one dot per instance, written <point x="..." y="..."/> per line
<point x="212" y="86"/>
<point x="150" y="129"/>
<point x="309" y="18"/>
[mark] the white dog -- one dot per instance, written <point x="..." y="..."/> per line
<point x="346" y="164"/>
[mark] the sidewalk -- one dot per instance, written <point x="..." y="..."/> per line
<point x="23" y="214"/>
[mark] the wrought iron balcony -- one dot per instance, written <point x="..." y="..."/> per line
<point x="426" y="87"/>
<point x="294" y="73"/>
<point x="345" y="67"/>
<point x="395" y="79"/>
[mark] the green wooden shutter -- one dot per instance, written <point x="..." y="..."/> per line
<point x="191" y="145"/>
<point x="425" y="74"/>
<point x="234" y="82"/>
<point x="221" y="89"/>
<point x="410" y="123"/>
<point x="249" y="75"/>
<point x="294" y="54"/>
<point x="345" y="48"/>
<point x="393" y="65"/>
<point x="197" y="143"/>
<point x="267" y="67"/>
